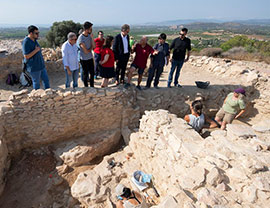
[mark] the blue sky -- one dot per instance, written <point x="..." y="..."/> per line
<point x="111" y="12"/>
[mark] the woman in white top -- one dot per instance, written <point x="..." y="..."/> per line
<point x="196" y="119"/>
<point x="128" y="198"/>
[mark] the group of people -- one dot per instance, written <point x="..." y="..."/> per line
<point x="111" y="50"/>
<point x="99" y="56"/>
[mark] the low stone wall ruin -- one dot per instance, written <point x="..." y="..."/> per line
<point x="227" y="169"/>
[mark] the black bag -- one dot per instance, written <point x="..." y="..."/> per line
<point x="12" y="79"/>
<point x="25" y="78"/>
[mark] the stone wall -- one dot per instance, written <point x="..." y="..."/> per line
<point x="41" y="117"/>
<point x="4" y="161"/>
<point x="227" y="169"/>
<point x="254" y="75"/>
<point x="11" y="58"/>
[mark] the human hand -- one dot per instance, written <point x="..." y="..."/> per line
<point x="37" y="48"/>
<point x="186" y="60"/>
<point x="92" y="35"/>
<point x="155" y="52"/>
<point x="171" y="60"/>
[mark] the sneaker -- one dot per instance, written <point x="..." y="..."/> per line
<point x="178" y="85"/>
<point x="169" y="86"/>
<point x="95" y="77"/>
<point x="127" y="85"/>
<point x="156" y="87"/>
<point x="138" y="87"/>
<point x="146" y="88"/>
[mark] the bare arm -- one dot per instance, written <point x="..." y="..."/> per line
<point x="30" y="55"/>
<point x="106" y="58"/>
<point x="240" y="113"/>
<point x="168" y="59"/>
<point x="186" y="118"/>
<point x="188" y="55"/>
<point x="85" y="50"/>
<point x="93" y="45"/>
<point x="119" y="204"/>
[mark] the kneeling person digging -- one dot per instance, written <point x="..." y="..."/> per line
<point x="142" y="50"/>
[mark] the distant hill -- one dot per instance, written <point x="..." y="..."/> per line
<point x="262" y="22"/>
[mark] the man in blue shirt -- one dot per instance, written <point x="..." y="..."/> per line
<point x="158" y="60"/>
<point x="34" y="59"/>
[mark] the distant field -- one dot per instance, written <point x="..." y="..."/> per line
<point x="203" y="35"/>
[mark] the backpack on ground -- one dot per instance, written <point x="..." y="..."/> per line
<point x="25" y="80"/>
<point x="12" y="79"/>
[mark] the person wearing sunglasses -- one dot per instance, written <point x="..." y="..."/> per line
<point x="180" y="46"/>
<point x="33" y="58"/>
<point x="70" y="60"/>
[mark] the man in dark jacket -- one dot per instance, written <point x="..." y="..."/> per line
<point x="121" y="49"/>
<point x="180" y="47"/>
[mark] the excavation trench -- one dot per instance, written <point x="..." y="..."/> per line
<point x="43" y="130"/>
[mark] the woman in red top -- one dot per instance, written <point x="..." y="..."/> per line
<point x="107" y="62"/>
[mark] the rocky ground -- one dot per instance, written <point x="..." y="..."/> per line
<point x="225" y="169"/>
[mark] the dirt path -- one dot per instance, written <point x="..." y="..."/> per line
<point x="188" y="75"/>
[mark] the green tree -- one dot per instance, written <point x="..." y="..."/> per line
<point x="59" y="30"/>
<point x="238" y="41"/>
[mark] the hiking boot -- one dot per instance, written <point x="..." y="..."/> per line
<point x="127" y="85"/>
<point x="138" y="87"/>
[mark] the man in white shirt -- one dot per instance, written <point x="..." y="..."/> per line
<point x="70" y="60"/>
<point x="121" y="49"/>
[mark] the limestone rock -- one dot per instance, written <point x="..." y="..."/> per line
<point x="85" y="149"/>
<point x="263" y="126"/>
<point x="208" y="197"/>
<point x="169" y="201"/>
<point x="86" y="187"/>
<point x="215" y="177"/>
<point x="238" y="131"/>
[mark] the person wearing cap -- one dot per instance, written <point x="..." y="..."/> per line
<point x="128" y="198"/>
<point x="231" y="106"/>
<point x="87" y="44"/>
<point x="158" y="61"/>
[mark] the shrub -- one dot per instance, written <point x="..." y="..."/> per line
<point x="213" y="52"/>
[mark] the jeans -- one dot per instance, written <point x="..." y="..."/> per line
<point x="74" y="77"/>
<point x="154" y="71"/>
<point x="121" y="67"/>
<point x="97" y="66"/>
<point x="36" y="76"/>
<point x="178" y="65"/>
<point x="88" y="67"/>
